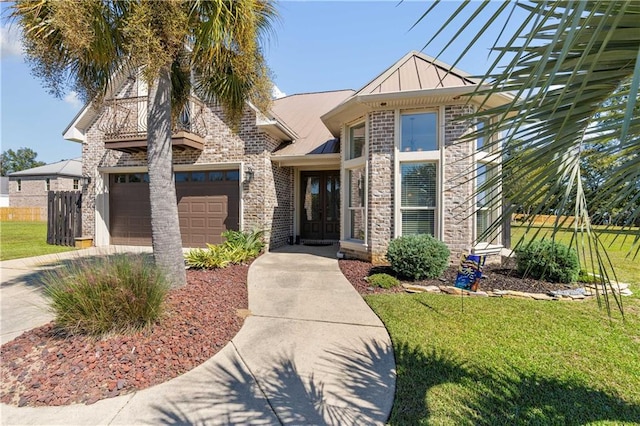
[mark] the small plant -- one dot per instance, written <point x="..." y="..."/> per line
<point x="250" y="242"/>
<point x="382" y="281"/>
<point x="112" y="294"/>
<point x="548" y="260"/>
<point x="418" y="256"/>
<point x="238" y="248"/>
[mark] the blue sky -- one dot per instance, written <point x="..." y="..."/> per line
<point x="318" y="46"/>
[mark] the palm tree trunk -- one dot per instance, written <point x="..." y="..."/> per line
<point x="165" y="227"/>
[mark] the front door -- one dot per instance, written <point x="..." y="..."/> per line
<point x="320" y="205"/>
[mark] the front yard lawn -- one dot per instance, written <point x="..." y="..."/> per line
<point x="25" y="239"/>
<point x="487" y="361"/>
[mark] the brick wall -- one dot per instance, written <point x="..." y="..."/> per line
<point x="381" y="183"/>
<point x="458" y="163"/>
<point x="33" y="191"/>
<point x="265" y="200"/>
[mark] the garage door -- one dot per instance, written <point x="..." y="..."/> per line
<point x="208" y="204"/>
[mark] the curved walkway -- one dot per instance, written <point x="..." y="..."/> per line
<point x="312" y="352"/>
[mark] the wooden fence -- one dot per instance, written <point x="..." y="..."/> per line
<point x="64" y="222"/>
<point x="544" y="219"/>
<point x="23" y="214"/>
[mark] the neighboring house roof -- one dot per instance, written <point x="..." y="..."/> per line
<point x="417" y="71"/>
<point x="4" y="185"/>
<point x="302" y="114"/>
<point x="71" y="168"/>
<point x="416" y="80"/>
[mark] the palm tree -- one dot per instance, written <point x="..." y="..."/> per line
<point x="574" y="68"/>
<point x="211" y="47"/>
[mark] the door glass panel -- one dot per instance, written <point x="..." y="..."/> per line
<point x="333" y="198"/>
<point x="233" y="175"/>
<point x="182" y="177"/>
<point x="216" y="176"/>
<point x="312" y="198"/>
<point x="197" y="176"/>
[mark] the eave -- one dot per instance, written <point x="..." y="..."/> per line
<point x="307" y="160"/>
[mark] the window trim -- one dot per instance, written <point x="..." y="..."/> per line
<point x="347" y="166"/>
<point x="436" y="157"/>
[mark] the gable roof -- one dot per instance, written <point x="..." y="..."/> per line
<point x="417" y="71"/>
<point x="71" y="168"/>
<point x="302" y="112"/>
<point x="416" y="80"/>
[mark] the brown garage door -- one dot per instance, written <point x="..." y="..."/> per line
<point x="208" y="204"/>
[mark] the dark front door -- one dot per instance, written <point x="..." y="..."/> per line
<point x="320" y="205"/>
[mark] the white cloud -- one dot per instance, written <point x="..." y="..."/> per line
<point x="72" y="99"/>
<point x="10" y="41"/>
<point x="277" y="93"/>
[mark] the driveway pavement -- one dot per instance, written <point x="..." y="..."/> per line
<point x="312" y="352"/>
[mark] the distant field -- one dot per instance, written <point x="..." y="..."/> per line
<point x="618" y="244"/>
<point x="25" y="239"/>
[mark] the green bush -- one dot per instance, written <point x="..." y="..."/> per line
<point x="548" y="260"/>
<point x="382" y="281"/>
<point x="112" y="294"/>
<point x="418" y="257"/>
<point x="239" y="247"/>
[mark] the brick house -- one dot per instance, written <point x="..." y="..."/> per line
<point x="29" y="188"/>
<point x="355" y="167"/>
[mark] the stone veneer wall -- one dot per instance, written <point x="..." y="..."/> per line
<point x="458" y="162"/>
<point x="265" y="200"/>
<point x="381" y="183"/>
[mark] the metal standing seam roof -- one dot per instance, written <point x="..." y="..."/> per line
<point x="302" y="113"/>
<point x="417" y="71"/>
<point x="71" y="168"/>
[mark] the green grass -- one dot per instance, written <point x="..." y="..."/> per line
<point x="618" y="244"/>
<point x="25" y="239"/>
<point x="510" y="361"/>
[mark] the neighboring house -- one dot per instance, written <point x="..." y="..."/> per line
<point x="4" y="191"/>
<point x="29" y="188"/>
<point x="356" y="167"/>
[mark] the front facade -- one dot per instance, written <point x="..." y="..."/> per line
<point x="29" y="188"/>
<point x="356" y="167"/>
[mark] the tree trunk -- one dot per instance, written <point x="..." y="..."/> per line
<point x="165" y="226"/>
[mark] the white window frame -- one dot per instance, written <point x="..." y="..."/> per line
<point x="434" y="156"/>
<point x="487" y="159"/>
<point x="347" y="166"/>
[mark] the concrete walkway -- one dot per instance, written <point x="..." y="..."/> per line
<point x="311" y="353"/>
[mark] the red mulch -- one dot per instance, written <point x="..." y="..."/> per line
<point x="40" y="367"/>
<point x="495" y="277"/>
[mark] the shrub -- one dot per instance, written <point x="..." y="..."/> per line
<point x="249" y="242"/>
<point x="238" y="248"/>
<point x="548" y="260"/>
<point x="418" y="256"/>
<point x="382" y="281"/>
<point x="112" y="294"/>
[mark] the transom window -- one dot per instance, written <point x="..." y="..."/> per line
<point x="418" y="197"/>
<point x="419" y="132"/>
<point x="356" y="141"/>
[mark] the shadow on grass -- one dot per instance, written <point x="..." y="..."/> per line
<point x="481" y="397"/>
<point x="348" y="385"/>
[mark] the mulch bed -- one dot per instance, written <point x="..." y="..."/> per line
<point x="495" y="277"/>
<point x="42" y="367"/>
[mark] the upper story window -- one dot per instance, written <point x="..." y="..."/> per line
<point x="419" y="132"/>
<point x="47" y="184"/>
<point x="356" y="141"/>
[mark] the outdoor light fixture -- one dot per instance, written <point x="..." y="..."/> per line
<point x="248" y="175"/>
<point x="85" y="180"/>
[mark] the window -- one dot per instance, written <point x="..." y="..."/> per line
<point x="76" y="183"/>
<point x="485" y="203"/>
<point x="47" y="184"/>
<point x="355" y="176"/>
<point x="19" y="185"/>
<point x="197" y="176"/>
<point x="356" y="141"/>
<point x="356" y="217"/>
<point x="233" y="175"/>
<point x="418" y="198"/>
<point x="216" y="176"/>
<point x="419" y="132"/>
<point x="182" y="177"/>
